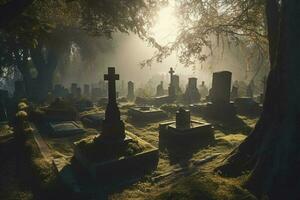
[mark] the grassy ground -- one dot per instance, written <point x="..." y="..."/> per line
<point x="183" y="174"/>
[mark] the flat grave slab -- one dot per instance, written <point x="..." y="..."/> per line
<point x="109" y="165"/>
<point x="65" y="128"/>
<point x="146" y="113"/>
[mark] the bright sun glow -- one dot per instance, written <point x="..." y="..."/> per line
<point x="166" y="27"/>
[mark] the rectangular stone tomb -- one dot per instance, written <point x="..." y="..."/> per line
<point x="146" y="113"/>
<point x="198" y="131"/>
<point x="93" y="120"/>
<point x="106" y="164"/>
<point x="64" y="129"/>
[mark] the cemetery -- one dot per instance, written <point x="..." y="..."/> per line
<point x="160" y="100"/>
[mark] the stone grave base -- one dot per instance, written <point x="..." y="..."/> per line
<point x="198" y="132"/>
<point x="65" y="128"/>
<point x="145" y="113"/>
<point x="107" y="162"/>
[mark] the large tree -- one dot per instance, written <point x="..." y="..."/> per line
<point x="271" y="152"/>
<point x="42" y="34"/>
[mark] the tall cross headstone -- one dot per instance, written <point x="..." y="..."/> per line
<point x="171" y="72"/>
<point x="130" y="94"/>
<point x="111" y="77"/>
<point x="171" y="86"/>
<point x="113" y="126"/>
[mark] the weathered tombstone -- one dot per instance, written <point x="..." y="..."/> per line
<point x="221" y="107"/>
<point x="184" y="130"/>
<point x="130" y="95"/>
<point x="203" y="90"/>
<point x="113" y="126"/>
<point x="160" y="89"/>
<point x="221" y="85"/>
<point x="192" y="94"/>
<point x="171" y="89"/>
<point x="114" y="154"/>
<point x="176" y="84"/>
<point x="86" y="90"/>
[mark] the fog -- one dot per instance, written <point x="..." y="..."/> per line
<point x="127" y="51"/>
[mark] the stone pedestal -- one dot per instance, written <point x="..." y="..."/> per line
<point x="111" y="162"/>
<point x="184" y="130"/>
<point x="198" y="132"/>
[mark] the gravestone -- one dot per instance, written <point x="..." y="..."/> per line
<point x="184" y="130"/>
<point x="176" y="84"/>
<point x="221" y="85"/>
<point x="172" y="89"/>
<point x="86" y="90"/>
<point x="203" y="90"/>
<point x="192" y="94"/>
<point x="234" y="92"/>
<point x="113" y="126"/>
<point x="130" y="94"/>
<point x="160" y="89"/>
<point x="221" y="107"/>
<point x="78" y="92"/>
<point x="115" y="154"/>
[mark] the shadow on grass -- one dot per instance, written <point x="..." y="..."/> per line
<point x="181" y="153"/>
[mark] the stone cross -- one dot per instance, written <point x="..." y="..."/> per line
<point x="171" y="72"/>
<point x="111" y="77"/>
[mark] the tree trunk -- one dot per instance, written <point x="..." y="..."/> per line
<point x="45" y="63"/>
<point x="272" y="152"/>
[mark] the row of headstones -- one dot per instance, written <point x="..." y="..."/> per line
<point x="221" y="90"/>
<point x="88" y="91"/>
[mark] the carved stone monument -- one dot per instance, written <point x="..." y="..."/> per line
<point x="192" y="94"/>
<point x="130" y="94"/>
